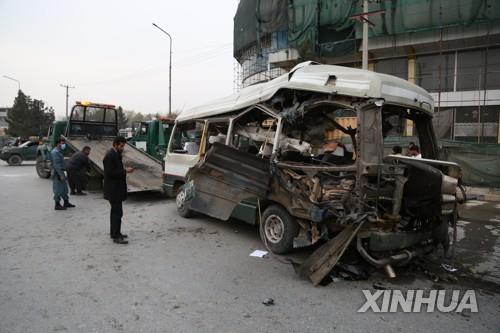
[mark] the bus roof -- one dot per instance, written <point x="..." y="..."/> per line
<point x="309" y="76"/>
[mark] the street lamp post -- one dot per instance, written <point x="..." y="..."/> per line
<point x="169" y="72"/>
<point x="11" y="78"/>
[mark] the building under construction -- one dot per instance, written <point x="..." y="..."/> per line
<point x="449" y="47"/>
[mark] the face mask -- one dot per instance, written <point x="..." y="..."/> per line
<point x="63" y="146"/>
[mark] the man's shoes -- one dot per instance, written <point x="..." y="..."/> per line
<point x="80" y="193"/>
<point x="119" y="240"/>
<point x="67" y="204"/>
<point x="59" y="207"/>
<point x="121" y="236"/>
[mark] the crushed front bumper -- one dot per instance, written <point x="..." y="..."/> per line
<point x="381" y="248"/>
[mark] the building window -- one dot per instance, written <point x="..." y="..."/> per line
<point x="493" y="73"/>
<point x="436" y="72"/>
<point x="477" y="124"/>
<point x="281" y="39"/>
<point x="397" y="67"/>
<point x="470" y="70"/>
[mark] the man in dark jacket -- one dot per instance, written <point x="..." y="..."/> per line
<point x="115" y="187"/>
<point x="77" y="168"/>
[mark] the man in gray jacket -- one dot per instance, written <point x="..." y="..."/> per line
<point x="59" y="182"/>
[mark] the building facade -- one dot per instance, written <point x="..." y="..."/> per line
<point x="3" y="120"/>
<point x="449" y="47"/>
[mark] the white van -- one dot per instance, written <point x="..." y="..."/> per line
<point x="302" y="156"/>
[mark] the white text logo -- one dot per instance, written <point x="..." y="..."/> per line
<point x="417" y="300"/>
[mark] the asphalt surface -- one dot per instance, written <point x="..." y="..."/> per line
<point x="60" y="272"/>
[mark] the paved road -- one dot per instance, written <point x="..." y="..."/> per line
<point x="60" y="272"/>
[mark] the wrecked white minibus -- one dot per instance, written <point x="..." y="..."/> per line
<point x="302" y="156"/>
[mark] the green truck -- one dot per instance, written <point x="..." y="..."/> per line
<point x="43" y="166"/>
<point x="95" y="125"/>
<point x="153" y="136"/>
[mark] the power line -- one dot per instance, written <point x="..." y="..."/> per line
<point x="194" y="59"/>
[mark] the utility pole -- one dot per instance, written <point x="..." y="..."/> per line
<point x="67" y="96"/>
<point x="365" y="36"/>
<point x="169" y="72"/>
<point x="363" y="17"/>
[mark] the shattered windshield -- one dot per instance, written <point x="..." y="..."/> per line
<point x="400" y="130"/>
<point x="323" y="135"/>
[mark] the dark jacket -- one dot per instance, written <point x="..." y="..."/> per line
<point x="78" y="162"/>
<point x="115" y="177"/>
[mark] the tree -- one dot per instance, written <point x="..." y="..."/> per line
<point x="17" y="114"/>
<point x="130" y="115"/>
<point x="122" y="118"/>
<point x="49" y="118"/>
<point x="138" y="117"/>
<point x="29" y="117"/>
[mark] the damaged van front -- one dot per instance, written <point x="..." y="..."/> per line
<point x="305" y="153"/>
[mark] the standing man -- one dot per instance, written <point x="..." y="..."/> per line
<point x="59" y="183"/>
<point x="115" y="187"/>
<point x="414" y="151"/>
<point x="397" y="150"/>
<point x="77" y="168"/>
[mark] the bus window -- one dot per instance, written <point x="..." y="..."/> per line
<point x="187" y="138"/>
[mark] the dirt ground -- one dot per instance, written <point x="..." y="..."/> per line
<point x="60" y="272"/>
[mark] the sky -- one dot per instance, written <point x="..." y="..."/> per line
<point x="110" y="51"/>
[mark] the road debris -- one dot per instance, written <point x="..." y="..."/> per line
<point x="449" y="268"/>
<point x="322" y="261"/>
<point x="379" y="286"/>
<point x="268" y="302"/>
<point x="258" y="254"/>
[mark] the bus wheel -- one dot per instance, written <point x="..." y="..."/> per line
<point x="180" y="203"/>
<point x="278" y="229"/>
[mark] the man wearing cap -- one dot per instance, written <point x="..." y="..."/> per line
<point x="59" y="181"/>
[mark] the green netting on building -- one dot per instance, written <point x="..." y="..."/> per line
<point x="302" y="25"/>
<point x="314" y="24"/>
<point x="309" y="20"/>
<point x="257" y="18"/>
<point x="404" y="16"/>
<point x="480" y="162"/>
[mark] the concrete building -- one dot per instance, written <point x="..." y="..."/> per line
<point x="3" y="120"/>
<point x="449" y="47"/>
